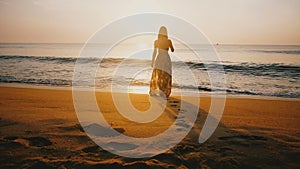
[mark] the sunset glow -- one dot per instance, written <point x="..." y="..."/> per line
<point x="224" y="22"/>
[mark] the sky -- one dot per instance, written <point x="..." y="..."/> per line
<point x="222" y="21"/>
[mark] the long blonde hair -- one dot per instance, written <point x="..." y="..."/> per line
<point x="163" y="34"/>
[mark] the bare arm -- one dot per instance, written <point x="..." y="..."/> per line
<point x="171" y="46"/>
<point x="154" y="54"/>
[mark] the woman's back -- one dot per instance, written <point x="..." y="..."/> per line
<point x="163" y="44"/>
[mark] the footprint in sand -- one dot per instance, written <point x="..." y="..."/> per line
<point x="98" y="130"/>
<point x="91" y="149"/>
<point x="121" y="146"/>
<point x="11" y="137"/>
<point x="244" y="137"/>
<point x="12" y="144"/>
<point x="31" y="141"/>
<point x="38" y="141"/>
<point x="182" y="110"/>
<point x="39" y="164"/>
<point x="243" y="140"/>
<point x="120" y="130"/>
<point x="76" y="127"/>
<point x="173" y="101"/>
<point x="182" y="124"/>
<point x="173" y="105"/>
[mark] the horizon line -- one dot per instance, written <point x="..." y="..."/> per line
<point x="215" y="44"/>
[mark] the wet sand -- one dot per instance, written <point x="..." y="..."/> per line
<point x="39" y="129"/>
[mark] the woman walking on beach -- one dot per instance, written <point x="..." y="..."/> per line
<point x="161" y="80"/>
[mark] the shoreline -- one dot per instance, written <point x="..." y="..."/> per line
<point x="201" y="94"/>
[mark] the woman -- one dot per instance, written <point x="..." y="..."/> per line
<point x="161" y="81"/>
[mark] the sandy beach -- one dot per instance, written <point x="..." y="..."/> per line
<point x="39" y="129"/>
<point x="150" y="84"/>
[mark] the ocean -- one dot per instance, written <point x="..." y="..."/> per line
<point x="262" y="70"/>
